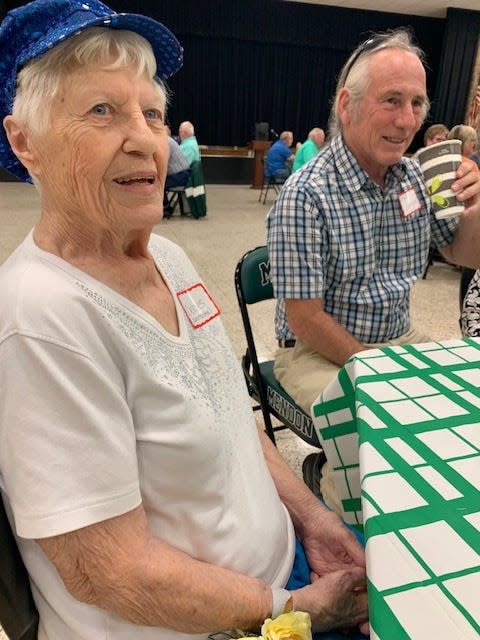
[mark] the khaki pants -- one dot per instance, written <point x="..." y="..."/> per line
<point x="304" y="374"/>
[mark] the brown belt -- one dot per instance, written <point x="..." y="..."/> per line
<point x="286" y="344"/>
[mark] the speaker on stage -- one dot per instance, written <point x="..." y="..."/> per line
<point x="262" y="131"/>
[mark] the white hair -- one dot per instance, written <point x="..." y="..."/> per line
<point x="107" y="49"/>
<point x="314" y="132"/>
<point x="355" y="75"/>
<point x="187" y="128"/>
<point x="464" y="133"/>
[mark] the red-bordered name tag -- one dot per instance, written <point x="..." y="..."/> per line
<point x="198" y="305"/>
<point x="409" y="202"/>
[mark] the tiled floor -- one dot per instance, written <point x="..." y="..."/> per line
<point x="234" y="224"/>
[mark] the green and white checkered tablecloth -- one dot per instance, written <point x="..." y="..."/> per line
<point x="401" y="429"/>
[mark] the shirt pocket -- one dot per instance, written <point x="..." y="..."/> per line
<point x="352" y="251"/>
<point x="405" y="250"/>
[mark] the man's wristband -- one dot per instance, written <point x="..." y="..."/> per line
<point x="282" y="602"/>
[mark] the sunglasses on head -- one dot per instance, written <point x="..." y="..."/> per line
<point x="375" y="42"/>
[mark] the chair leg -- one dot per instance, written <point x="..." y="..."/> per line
<point x="267" y="420"/>
<point x="261" y="192"/>
<point x="271" y="184"/>
<point x="176" y="199"/>
<point x="181" y="203"/>
<point x="266" y="192"/>
<point x="428" y="265"/>
<point x="169" y="205"/>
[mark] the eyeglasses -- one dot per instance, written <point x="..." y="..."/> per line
<point x="375" y="42"/>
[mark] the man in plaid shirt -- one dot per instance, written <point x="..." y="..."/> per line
<point x="349" y="233"/>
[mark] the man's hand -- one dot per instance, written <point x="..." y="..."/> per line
<point x="467" y="188"/>
<point x="463" y="250"/>
<point x="335" y="601"/>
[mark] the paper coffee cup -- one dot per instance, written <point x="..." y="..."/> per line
<point x="439" y="163"/>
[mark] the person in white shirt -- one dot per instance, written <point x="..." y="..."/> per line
<point x="144" y="501"/>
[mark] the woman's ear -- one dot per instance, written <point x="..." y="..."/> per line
<point x="19" y="139"/>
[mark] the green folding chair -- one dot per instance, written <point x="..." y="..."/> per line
<point x="252" y="285"/>
<point x="195" y="191"/>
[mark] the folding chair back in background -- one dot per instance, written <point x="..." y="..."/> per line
<point x="269" y="182"/>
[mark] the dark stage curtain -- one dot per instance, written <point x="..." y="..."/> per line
<point x="250" y="61"/>
<point x="456" y="66"/>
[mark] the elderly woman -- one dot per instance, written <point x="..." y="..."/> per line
<point x="468" y="137"/>
<point x="144" y="502"/>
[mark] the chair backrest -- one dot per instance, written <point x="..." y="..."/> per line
<point x="253" y="284"/>
<point x="254" y="276"/>
<point x="18" y="614"/>
<point x="195" y="190"/>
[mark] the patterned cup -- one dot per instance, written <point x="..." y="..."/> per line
<point x="439" y="163"/>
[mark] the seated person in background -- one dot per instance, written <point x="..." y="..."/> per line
<point x="280" y="157"/>
<point x="468" y="137"/>
<point x="476" y="158"/>
<point x="350" y="233"/>
<point x="435" y="133"/>
<point x="178" y="170"/>
<point x="178" y="173"/>
<point x="174" y="137"/>
<point x="188" y="142"/>
<point x="309" y="148"/>
<point x="145" y="502"/>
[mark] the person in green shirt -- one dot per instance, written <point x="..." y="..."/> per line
<point x="309" y="148"/>
<point x="188" y="142"/>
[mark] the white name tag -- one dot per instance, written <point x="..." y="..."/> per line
<point x="409" y="202"/>
<point x="198" y="305"/>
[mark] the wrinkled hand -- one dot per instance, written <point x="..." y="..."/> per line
<point x="467" y="188"/>
<point x="330" y="546"/>
<point x="337" y="600"/>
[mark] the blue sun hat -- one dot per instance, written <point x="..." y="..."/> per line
<point x="33" y="29"/>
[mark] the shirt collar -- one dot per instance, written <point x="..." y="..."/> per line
<point x="354" y="176"/>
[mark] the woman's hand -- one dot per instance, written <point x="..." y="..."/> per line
<point x="337" y="600"/>
<point x="329" y="545"/>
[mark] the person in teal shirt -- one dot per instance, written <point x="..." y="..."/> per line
<point x="309" y="148"/>
<point x="188" y="144"/>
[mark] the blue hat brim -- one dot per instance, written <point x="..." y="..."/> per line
<point x="166" y="48"/>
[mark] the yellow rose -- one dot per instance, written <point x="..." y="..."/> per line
<point x="288" y="626"/>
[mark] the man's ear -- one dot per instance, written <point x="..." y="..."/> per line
<point x="19" y="139"/>
<point x="344" y="106"/>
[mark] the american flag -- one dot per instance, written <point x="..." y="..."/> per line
<point x="474" y="115"/>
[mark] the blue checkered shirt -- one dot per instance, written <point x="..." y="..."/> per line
<point x="335" y="234"/>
